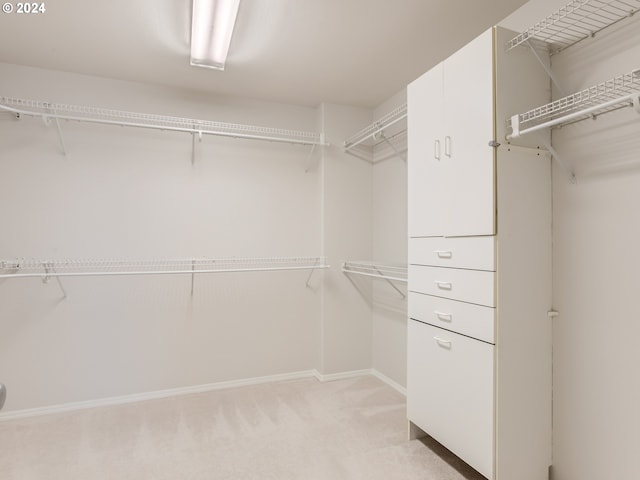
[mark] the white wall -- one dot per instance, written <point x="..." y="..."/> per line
<point x="596" y="277"/>
<point x="346" y="235"/>
<point x="595" y="280"/>
<point x="133" y="193"/>
<point x="390" y="245"/>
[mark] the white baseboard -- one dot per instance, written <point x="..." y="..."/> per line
<point x="341" y="375"/>
<point x="392" y="383"/>
<point x="358" y="373"/>
<point x="139" y="397"/>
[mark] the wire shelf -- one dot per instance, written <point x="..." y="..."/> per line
<point x="370" y="131"/>
<point x="161" y="122"/>
<point x="576" y="21"/>
<point x="616" y="93"/>
<point x="395" y="272"/>
<point x="23" y="267"/>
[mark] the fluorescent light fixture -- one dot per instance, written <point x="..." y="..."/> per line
<point x="212" y="25"/>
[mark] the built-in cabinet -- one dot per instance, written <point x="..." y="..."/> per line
<point x="479" y="280"/>
<point x="451" y="137"/>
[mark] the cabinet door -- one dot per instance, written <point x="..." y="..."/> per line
<point x="450" y="392"/>
<point x="468" y="186"/>
<point x="424" y="124"/>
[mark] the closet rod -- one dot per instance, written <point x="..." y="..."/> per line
<point x="151" y="272"/>
<point x="48" y="269"/>
<point x="607" y="96"/>
<point x="397" y="273"/>
<point x="157" y="122"/>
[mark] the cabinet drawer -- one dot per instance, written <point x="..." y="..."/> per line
<point x="450" y="392"/>
<point x="473" y="286"/>
<point x="466" y="318"/>
<point x="460" y="252"/>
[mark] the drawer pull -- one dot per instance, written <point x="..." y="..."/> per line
<point x="444" y="285"/>
<point x="444" y="253"/>
<point x="445" y="317"/>
<point x="442" y="342"/>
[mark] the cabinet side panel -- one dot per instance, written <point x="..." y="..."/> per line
<point x="523" y="344"/>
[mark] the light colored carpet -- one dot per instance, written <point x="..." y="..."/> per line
<point x="303" y="429"/>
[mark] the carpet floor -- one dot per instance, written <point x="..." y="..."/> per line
<point x="348" y="429"/>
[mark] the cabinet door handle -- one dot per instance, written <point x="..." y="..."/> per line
<point x="444" y="285"/>
<point x="442" y="342"/>
<point x="447" y="146"/>
<point x="445" y="317"/>
<point x="444" y="253"/>
<point x="436" y="150"/>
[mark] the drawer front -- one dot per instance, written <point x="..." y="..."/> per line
<point x="473" y="286"/>
<point x="476" y="253"/>
<point x="466" y="318"/>
<point x="450" y="392"/>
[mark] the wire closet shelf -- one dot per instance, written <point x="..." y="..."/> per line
<point x="577" y="20"/>
<point x="613" y="94"/>
<point x="23" y="267"/>
<point x="394" y="272"/>
<point x="371" y="131"/>
<point x="81" y="113"/>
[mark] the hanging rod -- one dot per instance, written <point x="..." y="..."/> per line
<point x="616" y="93"/>
<point x="45" y="269"/>
<point x="159" y="122"/>
<point x="376" y="127"/>
<point x="387" y="271"/>
<point x="577" y="20"/>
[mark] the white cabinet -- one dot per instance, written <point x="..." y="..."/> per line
<point x="450" y="125"/>
<point x="479" y="346"/>
<point x="456" y="405"/>
<point x="424" y="142"/>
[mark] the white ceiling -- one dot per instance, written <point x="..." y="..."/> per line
<point x="355" y="52"/>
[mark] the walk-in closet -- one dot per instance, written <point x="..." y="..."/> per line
<point x="353" y="239"/>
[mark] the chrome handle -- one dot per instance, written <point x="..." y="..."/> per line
<point x="444" y="253"/>
<point x="436" y="150"/>
<point x="447" y="146"/>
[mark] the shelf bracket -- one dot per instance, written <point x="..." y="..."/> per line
<point x="313" y="269"/>
<point x="193" y="275"/>
<point x="49" y="268"/>
<point x="558" y="159"/>
<point x="393" y="285"/>
<point x="197" y="134"/>
<point x="636" y="102"/>
<point x="58" y="129"/>
<point x="384" y="138"/>
<point x="310" y="158"/>
<point x="546" y="67"/>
